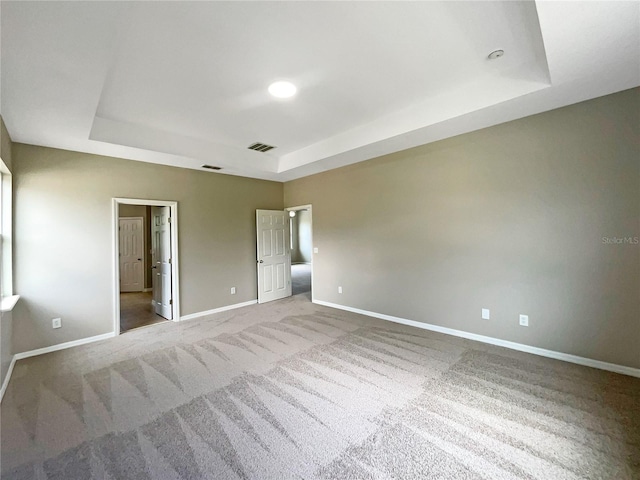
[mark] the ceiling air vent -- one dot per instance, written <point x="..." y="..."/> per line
<point x="261" y="147"/>
<point x="211" y="167"/>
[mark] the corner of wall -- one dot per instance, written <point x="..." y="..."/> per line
<point x="6" y="145"/>
<point x="7" y="359"/>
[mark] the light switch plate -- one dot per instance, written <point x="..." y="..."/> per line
<point x="524" y="320"/>
<point x="315" y="249"/>
<point x="486" y="314"/>
<point x="233" y="290"/>
<point x="56" y="323"/>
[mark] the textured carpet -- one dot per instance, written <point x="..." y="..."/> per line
<point x="291" y="390"/>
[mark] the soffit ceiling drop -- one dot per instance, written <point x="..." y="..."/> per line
<point x="185" y="83"/>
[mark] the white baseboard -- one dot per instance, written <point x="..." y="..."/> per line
<point x="191" y="316"/>
<point x="145" y="290"/>
<point x="588" y="362"/>
<point x="97" y="338"/>
<point x="62" y="346"/>
<point x="7" y="378"/>
<point x="52" y="348"/>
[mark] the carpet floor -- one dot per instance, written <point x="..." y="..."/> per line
<point x="293" y="390"/>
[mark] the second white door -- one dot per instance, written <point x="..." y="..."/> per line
<point x="274" y="255"/>
<point x="161" y="256"/>
<point x="131" y="236"/>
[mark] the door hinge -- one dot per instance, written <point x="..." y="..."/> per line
<point x="169" y="260"/>
<point x="169" y="220"/>
<point x="171" y="302"/>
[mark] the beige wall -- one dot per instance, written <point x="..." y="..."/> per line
<point x="301" y="235"/>
<point x="63" y="237"/>
<point x="143" y="211"/>
<point x="5" y="318"/>
<point x="5" y="146"/>
<point x="510" y="218"/>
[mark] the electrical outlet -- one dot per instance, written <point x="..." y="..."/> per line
<point x="56" y="323"/>
<point x="486" y="314"/>
<point x="524" y="320"/>
<point x="315" y="250"/>
<point x="233" y="290"/>
<point x="339" y="289"/>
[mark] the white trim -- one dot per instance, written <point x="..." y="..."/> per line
<point x="191" y="316"/>
<point x="587" y="362"/>
<point x="308" y="207"/>
<point x="6" y="221"/>
<point x="175" y="284"/>
<point x="144" y="202"/>
<point x="5" y="384"/>
<point x="63" y="346"/>
<point x="97" y="338"/>
<point x="7" y="303"/>
<point x="145" y="290"/>
<point x="52" y="348"/>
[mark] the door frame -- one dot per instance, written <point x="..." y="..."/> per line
<point x="313" y="260"/>
<point x="115" y="260"/>
<point x="144" y="244"/>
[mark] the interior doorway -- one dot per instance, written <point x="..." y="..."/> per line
<point x="301" y="246"/>
<point x="145" y="259"/>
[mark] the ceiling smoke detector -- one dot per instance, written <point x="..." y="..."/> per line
<point x="211" y="167"/>
<point x="495" y="54"/>
<point x="260" y="147"/>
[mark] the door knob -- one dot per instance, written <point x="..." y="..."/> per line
<point x="261" y="261"/>
<point x="139" y="259"/>
<point x="154" y="267"/>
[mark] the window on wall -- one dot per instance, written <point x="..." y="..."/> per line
<point x="6" y="263"/>
<point x="292" y="215"/>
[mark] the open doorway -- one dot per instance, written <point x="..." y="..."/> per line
<point x="301" y="244"/>
<point x="145" y="246"/>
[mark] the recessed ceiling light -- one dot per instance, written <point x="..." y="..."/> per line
<point x="495" y="54"/>
<point x="282" y="89"/>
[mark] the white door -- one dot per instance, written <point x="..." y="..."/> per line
<point x="131" y="235"/>
<point x="161" y="257"/>
<point x="274" y="255"/>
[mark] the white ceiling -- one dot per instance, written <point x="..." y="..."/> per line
<point x="185" y="83"/>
